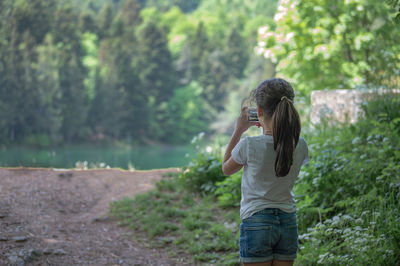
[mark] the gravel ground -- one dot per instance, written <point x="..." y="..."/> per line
<point x="59" y="217"/>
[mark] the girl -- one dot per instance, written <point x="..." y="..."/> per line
<point x="272" y="161"/>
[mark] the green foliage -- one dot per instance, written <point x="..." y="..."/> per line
<point x="105" y="20"/>
<point x="228" y="191"/>
<point x="90" y="61"/>
<point x="348" y="43"/>
<point x="382" y="108"/>
<point x="198" y="47"/>
<point x="353" y="172"/>
<point x="204" y="171"/>
<point x="49" y="91"/>
<point x="395" y="4"/>
<point x="235" y="59"/>
<point x="204" y="174"/>
<point x="184" y="5"/>
<point x="349" y="240"/>
<point x="121" y="70"/>
<point x="184" y="114"/>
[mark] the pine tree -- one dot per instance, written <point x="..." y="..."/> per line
<point x="87" y="23"/>
<point x="214" y="78"/>
<point x="49" y="91"/>
<point x="130" y="13"/>
<point x="157" y="76"/>
<point x="198" y="47"/>
<point x="236" y="55"/>
<point x="104" y="20"/>
<point x="74" y="103"/>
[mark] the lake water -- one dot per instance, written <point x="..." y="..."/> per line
<point x="141" y="158"/>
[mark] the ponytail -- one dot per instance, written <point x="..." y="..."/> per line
<point x="286" y="132"/>
<point x="275" y="96"/>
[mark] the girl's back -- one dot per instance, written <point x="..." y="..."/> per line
<point x="261" y="188"/>
<point x="271" y="163"/>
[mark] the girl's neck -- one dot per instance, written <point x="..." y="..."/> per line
<point x="267" y="131"/>
<point x="267" y="125"/>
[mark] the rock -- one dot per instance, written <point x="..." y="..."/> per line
<point x="16" y="261"/>
<point x="339" y="105"/>
<point x="100" y="219"/>
<point x="47" y="251"/>
<point x="34" y="253"/>
<point x="2" y="215"/>
<point x="3" y="238"/>
<point x="59" y="252"/>
<point x="20" y="238"/>
<point x="25" y="254"/>
<point x="67" y="175"/>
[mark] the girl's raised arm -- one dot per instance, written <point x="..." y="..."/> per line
<point x="229" y="166"/>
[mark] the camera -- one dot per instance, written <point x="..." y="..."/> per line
<point x="252" y="114"/>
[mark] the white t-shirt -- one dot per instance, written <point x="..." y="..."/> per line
<point x="261" y="188"/>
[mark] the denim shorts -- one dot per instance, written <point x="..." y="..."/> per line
<point x="268" y="234"/>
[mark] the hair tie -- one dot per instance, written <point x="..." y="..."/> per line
<point x="284" y="97"/>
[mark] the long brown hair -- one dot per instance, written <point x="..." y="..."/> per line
<point x="275" y="97"/>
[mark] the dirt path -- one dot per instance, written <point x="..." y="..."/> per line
<point x="50" y="217"/>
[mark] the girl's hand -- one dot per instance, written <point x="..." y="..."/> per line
<point x="242" y="123"/>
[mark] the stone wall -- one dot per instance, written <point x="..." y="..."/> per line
<point x="339" y="105"/>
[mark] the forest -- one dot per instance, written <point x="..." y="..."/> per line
<point x="134" y="71"/>
<point x="154" y="71"/>
<point x="176" y="71"/>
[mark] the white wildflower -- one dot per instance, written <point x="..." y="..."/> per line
<point x="262" y="30"/>
<point x="278" y="16"/>
<point x="321" y="49"/>
<point x="289" y="36"/>
<point x="316" y="30"/>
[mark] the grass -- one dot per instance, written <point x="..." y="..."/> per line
<point x="182" y="221"/>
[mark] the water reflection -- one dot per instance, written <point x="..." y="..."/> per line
<point x="141" y="158"/>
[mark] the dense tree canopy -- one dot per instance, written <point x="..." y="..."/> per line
<point x="162" y="71"/>
<point x="135" y="70"/>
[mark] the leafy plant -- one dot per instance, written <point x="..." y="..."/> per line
<point x="353" y="172"/>
<point x="228" y="191"/>
<point x="348" y="43"/>
<point x="205" y="170"/>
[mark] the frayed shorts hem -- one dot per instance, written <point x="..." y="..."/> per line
<point x="255" y="259"/>
<point x="285" y="257"/>
<point x="269" y="258"/>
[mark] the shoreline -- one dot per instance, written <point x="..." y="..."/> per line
<point x="90" y="169"/>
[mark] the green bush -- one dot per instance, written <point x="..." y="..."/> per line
<point x="383" y="108"/>
<point x="347" y="196"/>
<point x="228" y="191"/>
<point x="347" y="240"/>
<point x="202" y="173"/>
<point x="204" y="170"/>
<point x="186" y="114"/>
